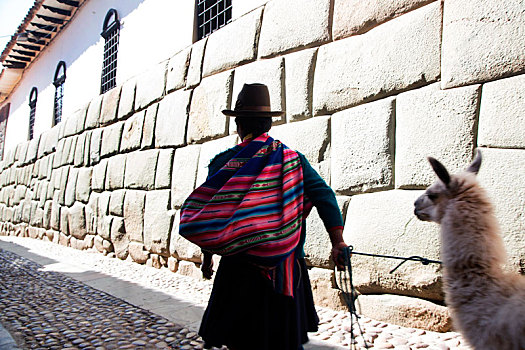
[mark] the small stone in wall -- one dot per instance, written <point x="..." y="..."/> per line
<point x="137" y="252"/>
<point x="173" y="264"/>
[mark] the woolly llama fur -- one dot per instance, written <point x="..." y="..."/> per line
<point x="486" y="303"/>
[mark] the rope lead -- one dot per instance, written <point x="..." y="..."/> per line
<point x="346" y="285"/>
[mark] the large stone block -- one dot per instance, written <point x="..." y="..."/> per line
<point x="163" y="171"/>
<point x="71" y="187"/>
<point x="501" y="117"/>
<point x="83" y="187"/>
<point x="94" y="146"/>
<point x="99" y="176"/>
<point x="140" y="174"/>
<point x="54" y="221"/>
<point x="103" y="204"/>
<point x="310" y="137"/>
<point x="150" y="85"/>
<point x="206" y="120"/>
<point x="208" y="151"/>
<point x="299" y="81"/>
<point x="80" y="148"/>
<point x="268" y="72"/>
<point x="46" y="219"/>
<point x="93" y="112"/>
<point x="111" y="137"/>
<point x="363" y="148"/>
<point x="157" y="222"/>
<point x="19" y="153"/>
<point x="405" y="311"/>
<point x="71" y="147"/>
<point x="64" y="173"/>
<point x="450" y="115"/>
<point x="482" y="40"/>
<point x="81" y="119"/>
<point x="177" y="69"/>
<point x="245" y="31"/>
<point x="87" y="152"/>
<point x="127" y="99"/>
<point x="119" y="238"/>
<point x="32" y="150"/>
<point x="184" y="172"/>
<point x="37" y="215"/>
<point x="116" y="171"/>
<point x="397" y="233"/>
<point x="42" y="167"/>
<point x="353" y="17"/>
<point x="502" y="175"/>
<point x="51" y="140"/>
<point x="379" y="63"/>
<point x="71" y="122"/>
<point x="77" y="221"/>
<point x="148" y="132"/>
<point x="284" y="27"/>
<point x="195" y="66"/>
<point x="108" y="112"/>
<point x="172" y="118"/>
<point x="116" y="203"/>
<point x="134" y="204"/>
<point x="180" y="247"/>
<point x="132" y="132"/>
<point x="91" y="211"/>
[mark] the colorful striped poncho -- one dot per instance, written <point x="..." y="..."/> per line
<point x="254" y="206"/>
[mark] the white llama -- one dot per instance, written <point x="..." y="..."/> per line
<point x="486" y="303"/>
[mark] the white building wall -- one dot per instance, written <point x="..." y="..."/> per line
<point x="151" y="31"/>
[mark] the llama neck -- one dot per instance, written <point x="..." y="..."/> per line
<point x="471" y="243"/>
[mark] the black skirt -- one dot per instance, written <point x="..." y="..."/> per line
<point x="244" y="312"/>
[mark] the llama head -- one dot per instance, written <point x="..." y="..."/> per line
<point x="431" y="205"/>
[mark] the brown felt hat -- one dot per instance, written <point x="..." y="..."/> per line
<point x="253" y="101"/>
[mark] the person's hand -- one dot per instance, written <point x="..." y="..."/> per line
<point x="207" y="265"/>
<point x="338" y="256"/>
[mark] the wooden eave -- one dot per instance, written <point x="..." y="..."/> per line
<point x="44" y="20"/>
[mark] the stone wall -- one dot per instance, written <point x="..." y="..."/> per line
<point x="369" y="91"/>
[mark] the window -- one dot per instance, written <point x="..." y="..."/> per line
<point x="32" y="105"/>
<point x="212" y="15"/>
<point x="60" y="78"/>
<point x="110" y="32"/>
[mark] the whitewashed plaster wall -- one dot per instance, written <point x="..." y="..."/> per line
<point x="151" y="31"/>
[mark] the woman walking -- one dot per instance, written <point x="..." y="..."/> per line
<point x="252" y="210"/>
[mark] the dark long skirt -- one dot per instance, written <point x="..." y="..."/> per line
<point x="244" y="312"/>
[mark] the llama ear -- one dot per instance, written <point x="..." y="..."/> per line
<point x="476" y="163"/>
<point x="440" y="170"/>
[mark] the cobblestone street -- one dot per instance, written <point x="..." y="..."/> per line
<point x="47" y="310"/>
<point x="56" y="297"/>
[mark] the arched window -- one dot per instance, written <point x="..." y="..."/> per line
<point x="110" y="32"/>
<point x="33" y="96"/>
<point x="60" y="78"/>
<point x="212" y="15"/>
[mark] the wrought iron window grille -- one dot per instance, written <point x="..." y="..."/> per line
<point x="110" y="32"/>
<point x="33" y="96"/>
<point x="212" y="15"/>
<point x="60" y="78"/>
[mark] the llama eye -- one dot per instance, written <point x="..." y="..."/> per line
<point x="432" y="196"/>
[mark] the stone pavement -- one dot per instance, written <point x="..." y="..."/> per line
<point x="55" y="297"/>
